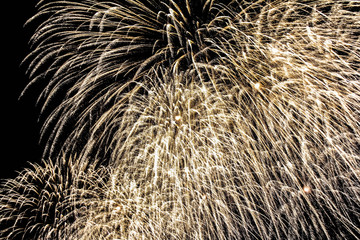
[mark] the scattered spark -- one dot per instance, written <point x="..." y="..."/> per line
<point x="257" y="86"/>
<point x="274" y="51"/>
<point x="177" y="118"/>
<point x="307" y="189"/>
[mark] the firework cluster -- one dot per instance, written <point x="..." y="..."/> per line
<point x="194" y="119"/>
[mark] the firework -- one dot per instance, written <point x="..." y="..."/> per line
<point x="207" y="120"/>
<point x="43" y="199"/>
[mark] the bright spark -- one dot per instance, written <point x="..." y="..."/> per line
<point x="177" y="118"/>
<point x="257" y="86"/>
<point x="307" y="189"/>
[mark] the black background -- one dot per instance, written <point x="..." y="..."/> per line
<point x="21" y="129"/>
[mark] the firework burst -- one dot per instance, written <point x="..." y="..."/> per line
<point x="43" y="199"/>
<point x="199" y="119"/>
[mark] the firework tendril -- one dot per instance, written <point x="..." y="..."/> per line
<point x="190" y="119"/>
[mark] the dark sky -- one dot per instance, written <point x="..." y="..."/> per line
<point x="20" y="127"/>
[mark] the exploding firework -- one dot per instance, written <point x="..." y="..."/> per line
<point x="207" y="120"/>
<point x="43" y="199"/>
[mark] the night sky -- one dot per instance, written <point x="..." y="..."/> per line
<point x="20" y="125"/>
